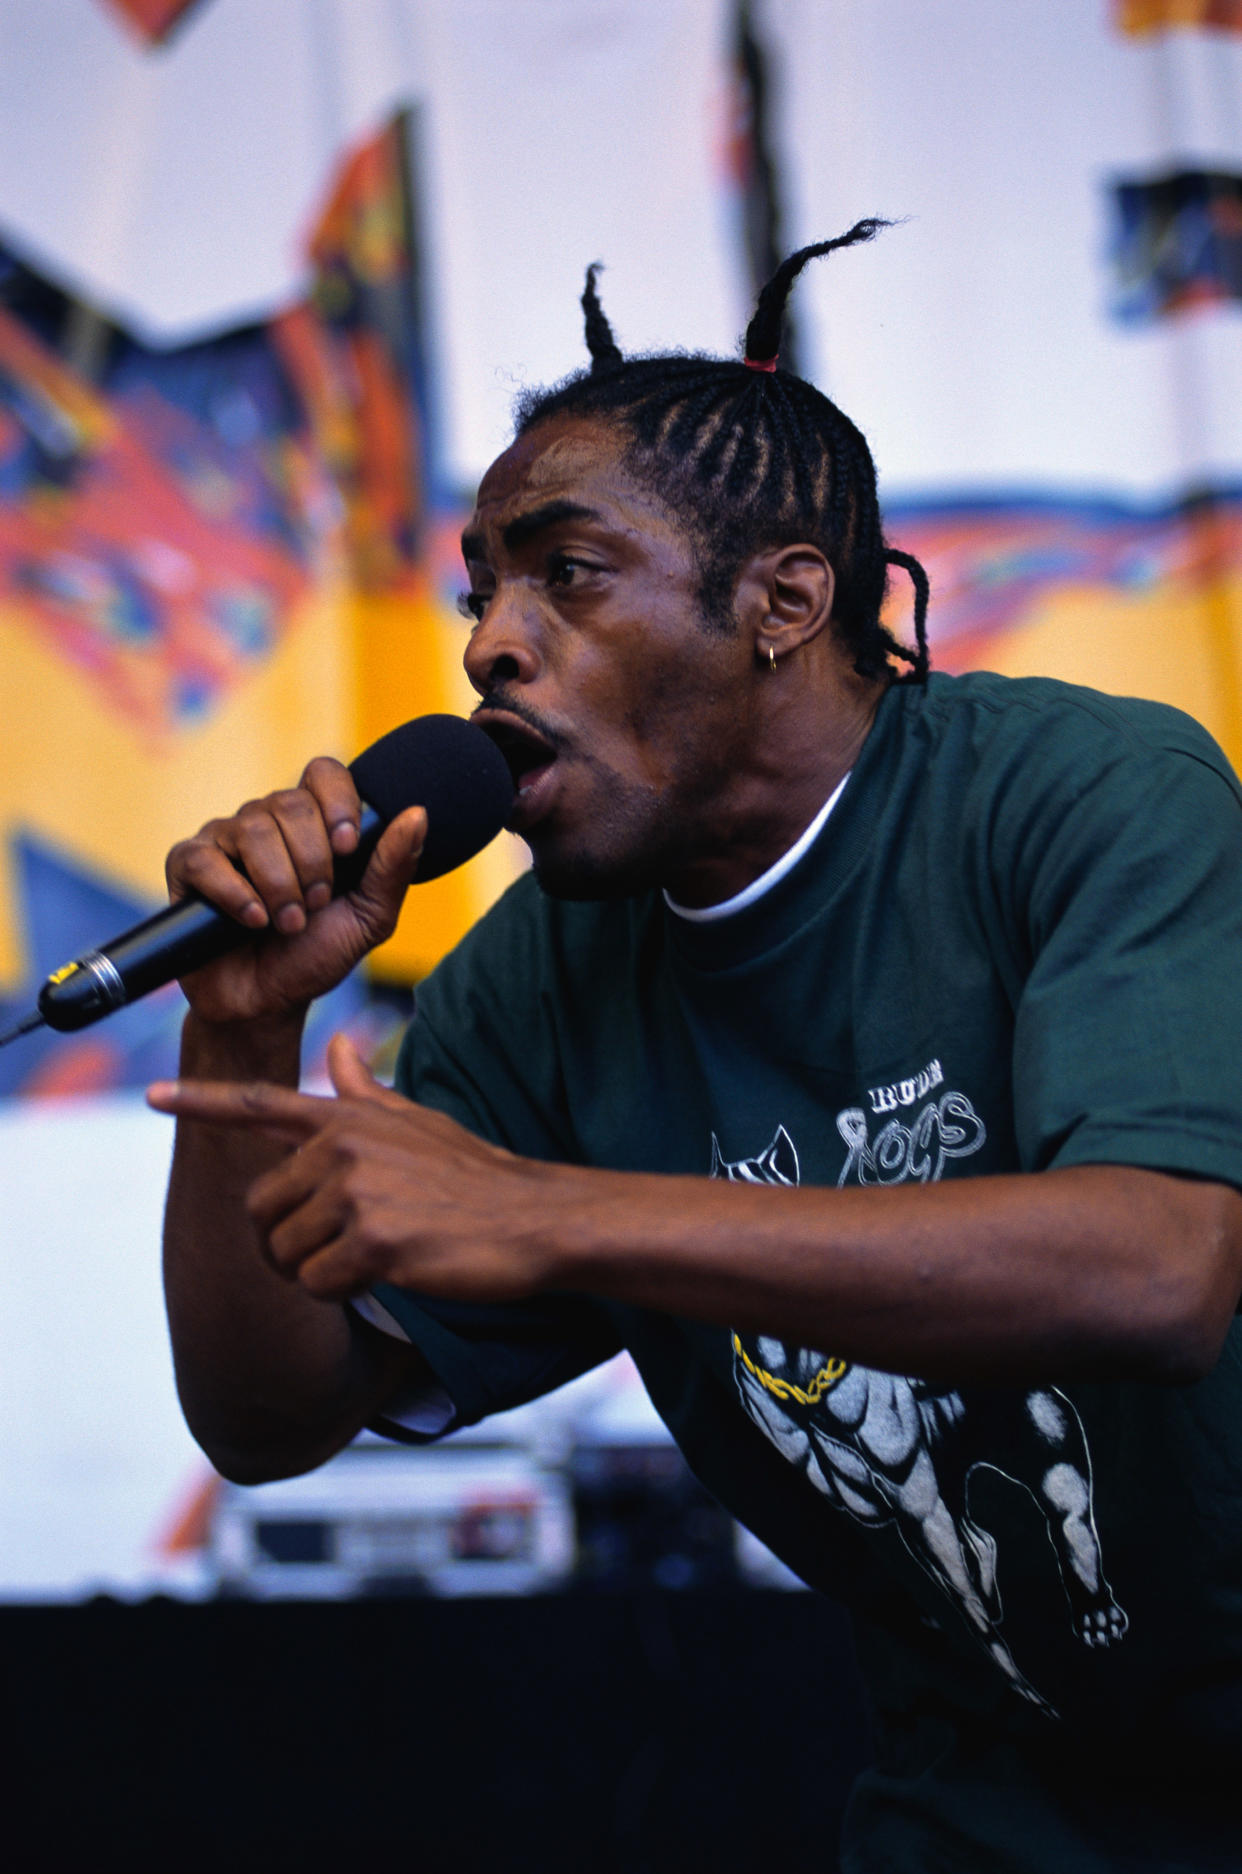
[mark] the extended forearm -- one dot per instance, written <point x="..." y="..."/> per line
<point x="267" y="1374"/>
<point x="1092" y="1270"/>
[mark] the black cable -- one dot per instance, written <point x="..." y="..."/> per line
<point x="24" y="1027"/>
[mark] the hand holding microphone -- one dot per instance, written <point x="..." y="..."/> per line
<point x="323" y="867"/>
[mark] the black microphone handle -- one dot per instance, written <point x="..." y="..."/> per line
<point x="180" y="938"/>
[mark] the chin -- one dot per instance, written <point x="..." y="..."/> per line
<point x="580" y="885"/>
<point x="590" y="878"/>
<point x="626" y="846"/>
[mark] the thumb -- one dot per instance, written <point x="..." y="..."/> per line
<point x="378" y="895"/>
<point x="353" y="1079"/>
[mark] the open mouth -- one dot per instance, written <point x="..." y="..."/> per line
<point x="526" y="751"/>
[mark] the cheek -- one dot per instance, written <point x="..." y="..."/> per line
<point x="655" y="698"/>
<point x="682" y="718"/>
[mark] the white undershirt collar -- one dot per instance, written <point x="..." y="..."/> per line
<point x="759" y="887"/>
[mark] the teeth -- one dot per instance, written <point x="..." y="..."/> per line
<point x="522" y="752"/>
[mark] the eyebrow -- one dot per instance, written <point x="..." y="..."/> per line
<point x="524" y="526"/>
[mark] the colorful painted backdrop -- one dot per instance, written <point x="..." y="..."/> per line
<point x="270" y="278"/>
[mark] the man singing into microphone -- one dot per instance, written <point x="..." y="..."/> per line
<point x="861" y="1053"/>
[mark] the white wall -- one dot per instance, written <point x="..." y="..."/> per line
<point x="974" y="345"/>
<point x="95" y="1461"/>
<point x="176" y="187"/>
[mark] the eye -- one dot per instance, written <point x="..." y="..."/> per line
<point x="472" y="605"/>
<point x="565" y="570"/>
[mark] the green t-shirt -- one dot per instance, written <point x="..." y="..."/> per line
<point x="1015" y="944"/>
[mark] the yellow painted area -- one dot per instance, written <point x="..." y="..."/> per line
<point x="98" y="787"/>
<point x="1176" y="644"/>
<point x="407" y="659"/>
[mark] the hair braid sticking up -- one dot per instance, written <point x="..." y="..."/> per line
<point x="763" y="334"/>
<point x="603" y="347"/>
<point x="749" y="457"/>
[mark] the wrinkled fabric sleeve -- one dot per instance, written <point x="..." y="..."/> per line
<point x="1128" y="1031"/>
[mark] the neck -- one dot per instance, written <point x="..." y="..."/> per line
<point x="793" y="769"/>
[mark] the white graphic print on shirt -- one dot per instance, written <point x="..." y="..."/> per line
<point x="892" y="1450"/>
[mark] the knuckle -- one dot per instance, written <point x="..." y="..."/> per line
<point x="253" y="814"/>
<point x="294" y="803"/>
<point x="214" y="832"/>
<point x="348" y="1137"/>
<point x="258" y="1202"/>
<point x="195" y="858"/>
<point x="178" y="860"/>
<point x="199" y="866"/>
<point x="325" y="771"/>
<point x="323" y="1276"/>
<point x="355" y="1186"/>
<point x="278" y="1248"/>
<point x="371" y="1249"/>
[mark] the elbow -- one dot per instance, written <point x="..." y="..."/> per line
<point x="261" y="1453"/>
<point x="1193" y="1298"/>
<point x="1185" y="1353"/>
<point x="250" y="1467"/>
<point x="1192" y="1343"/>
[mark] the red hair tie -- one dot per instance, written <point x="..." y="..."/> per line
<point x="760" y="364"/>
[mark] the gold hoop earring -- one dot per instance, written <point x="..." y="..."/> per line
<point x="772" y="657"/>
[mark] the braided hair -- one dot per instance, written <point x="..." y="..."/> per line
<point x="750" y="456"/>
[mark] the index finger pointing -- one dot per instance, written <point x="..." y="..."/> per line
<point x="256" y="1103"/>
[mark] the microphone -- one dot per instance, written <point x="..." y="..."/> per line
<point x="442" y="763"/>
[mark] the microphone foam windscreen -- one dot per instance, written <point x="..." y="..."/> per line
<point x="452" y="769"/>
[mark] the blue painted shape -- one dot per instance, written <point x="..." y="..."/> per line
<point x="65" y="907"/>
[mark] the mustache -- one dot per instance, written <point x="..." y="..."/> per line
<point x="501" y="698"/>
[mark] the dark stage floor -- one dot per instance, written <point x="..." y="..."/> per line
<point x="618" y="1733"/>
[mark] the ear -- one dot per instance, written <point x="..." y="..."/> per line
<point x="784" y="597"/>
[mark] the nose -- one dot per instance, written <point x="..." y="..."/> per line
<point x="503" y="646"/>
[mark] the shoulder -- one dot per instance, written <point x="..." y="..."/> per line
<point x="1031" y="710"/>
<point x="1022" y="788"/>
<point x="1040" y="733"/>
